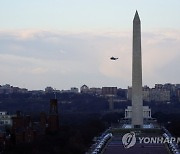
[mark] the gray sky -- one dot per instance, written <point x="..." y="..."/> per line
<point x="68" y="43"/>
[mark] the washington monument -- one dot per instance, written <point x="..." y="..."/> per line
<point x="137" y="102"/>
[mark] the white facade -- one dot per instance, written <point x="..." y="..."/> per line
<point x="5" y="119"/>
<point x="146" y="112"/>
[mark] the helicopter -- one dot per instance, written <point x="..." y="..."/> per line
<point x="113" y="58"/>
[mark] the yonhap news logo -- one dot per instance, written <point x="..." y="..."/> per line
<point x="130" y="139"/>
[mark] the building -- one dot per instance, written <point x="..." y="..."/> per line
<point x="49" y="90"/>
<point x="74" y="90"/>
<point x="146" y="94"/>
<point x="160" y="95"/>
<point x="146" y="112"/>
<point x="170" y="87"/>
<point x="157" y="94"/>
<point x="84" y="89"/>
<point x="129" y="93"/>
<point x="5" y="119"/>
<point x="109" y="91"/>
<point x="6" y="89"/>
<point x="95" y="91"/>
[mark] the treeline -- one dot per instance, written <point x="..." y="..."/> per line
<point x="71" y="102"/>
<point x="170" y="121"/>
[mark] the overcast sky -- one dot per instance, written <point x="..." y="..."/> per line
<point x="68" y="43"/>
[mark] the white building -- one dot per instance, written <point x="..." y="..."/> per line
<point x="5" y="119"/>
<point x="146" y="112"/>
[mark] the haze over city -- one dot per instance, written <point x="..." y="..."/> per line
<point x="69" y="43"/>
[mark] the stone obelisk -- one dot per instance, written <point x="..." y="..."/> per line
<point x="137" y="102"/>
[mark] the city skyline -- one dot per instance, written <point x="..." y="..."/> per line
<point x="63" y="43"/>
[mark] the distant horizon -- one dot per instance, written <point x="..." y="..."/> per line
<point x="86" y="85"/>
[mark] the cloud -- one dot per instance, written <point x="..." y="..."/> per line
<point x="160" y="50"/>
<point x="62" y="60"/>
